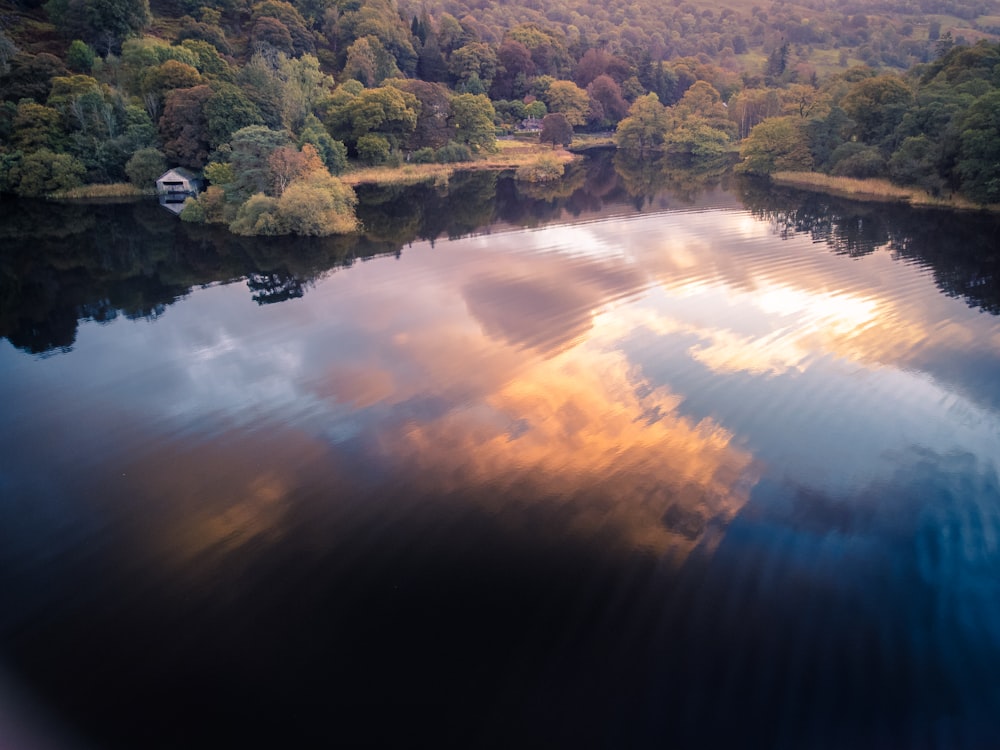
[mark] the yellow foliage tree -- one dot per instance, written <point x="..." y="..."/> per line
<point x="317" y="204"/>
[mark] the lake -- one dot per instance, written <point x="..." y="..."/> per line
<point x="620" y="462"/>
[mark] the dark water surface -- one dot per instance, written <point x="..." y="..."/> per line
<point x="604" y="466"/>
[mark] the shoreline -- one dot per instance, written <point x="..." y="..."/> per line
<point x="101" y="191"/>
<point x="875" y="190"/>
<point x="510" y="154"/>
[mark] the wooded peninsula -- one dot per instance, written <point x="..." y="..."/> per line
<point x="281" y="106"/>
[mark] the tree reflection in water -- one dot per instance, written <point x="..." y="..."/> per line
<point x="960" y="248"/>
<point x="71" y="262"/>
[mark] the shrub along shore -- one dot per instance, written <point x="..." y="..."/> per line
<point x="876" y="190"/>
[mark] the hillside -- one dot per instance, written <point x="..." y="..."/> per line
<point x="272" y="96"/>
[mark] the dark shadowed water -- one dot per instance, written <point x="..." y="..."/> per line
<point x="610" y="464"/>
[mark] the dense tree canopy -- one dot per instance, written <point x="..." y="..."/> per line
<point x="184" y="126"/>
<point x="873" y="91"/>
<point x="103" y="23"/>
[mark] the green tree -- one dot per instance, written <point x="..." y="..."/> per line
<point x="569" y="99"/>
<point x="452" y="153"/>
<point x="140" y="131"/>
<point x="510" y="113"/>
<point x="304" y="85"/>
<point x="645" y="128"/>
<point x="378" y="20"/>
<point x="258" y="215"/>
<point x="373" y="149"/>
<point x="916" y="162"/>
<point x="317" y="205"/>
<point x="228" y="110"/>
<point x="208" y="60"/>
<point x="30" y="76"/>
<point x="547" y="48"/>
<point x="251" y="151"/>
<point x="368" y="61"/>
<point x="774" y="145"/>
<point x="362" y="63"/>
<point x="696" y="142"/>
<point x="80" y="56"/>
<point x="302" y="40"/>
<point x="777" y="62"/>
<point x="472" y="85"/>
<point x="209" y="207"/>
<point x="138" y="57"/>
<point x="877" y="105"/>
<point x="204" y="31"/>
<point x="854" y="159"/>
<point x="473" y="59"/>
<point x="434" y="107"/>
<point x="145" y="166"/>
<point x="193" y="211"/>
<point x="36" y="127"/>
<point x="826" y="134"/>
<point x="169" y="76"/>
<point x="431" y="65"/>
<point x="270" y="32"/>
<point x="105" y="23"/>
<point x="450" y="33"/>
<point x="44" y="172"/>
<point x="536" y="109"/>
<point x="702" y="104"/>
<point x="332" y="152"/>
<point x="752" y="106"/>
<point x="9" y="164"/>
<point x="385" y="111"/>
<point x="472" y="122"/>
<point x="7" y="51"/>
<point x="260" y="82"/>
<point x="979" y="165"/>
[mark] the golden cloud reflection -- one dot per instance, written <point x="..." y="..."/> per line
<point x="513" y="385"/>
<point x="585" y="430"/>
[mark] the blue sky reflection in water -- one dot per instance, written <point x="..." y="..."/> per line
<point x="662" y="478"/>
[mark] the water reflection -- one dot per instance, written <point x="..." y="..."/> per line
<point x="959" y="248"/>
<point x="605" y="468"/>
<point x="582" y="430"/>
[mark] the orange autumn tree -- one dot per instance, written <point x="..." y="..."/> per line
<point x="287" y="164"/>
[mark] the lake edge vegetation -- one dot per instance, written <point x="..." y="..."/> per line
<point x="284" y="106"/>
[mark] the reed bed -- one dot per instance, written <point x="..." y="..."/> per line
<point x="114" y="190"/>
<point x="874" y="189"/>
<point x="509" y="155"/>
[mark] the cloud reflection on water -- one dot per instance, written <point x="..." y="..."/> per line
<point x="509" y="360"/>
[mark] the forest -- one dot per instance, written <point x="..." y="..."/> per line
<point x="271" y="101"/>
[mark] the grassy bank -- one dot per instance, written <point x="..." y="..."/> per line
<point x="585" y="141"/>
<point x="112" y="191"/>
<point x="510" y="154"/>
<point x="874" y="190"/>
